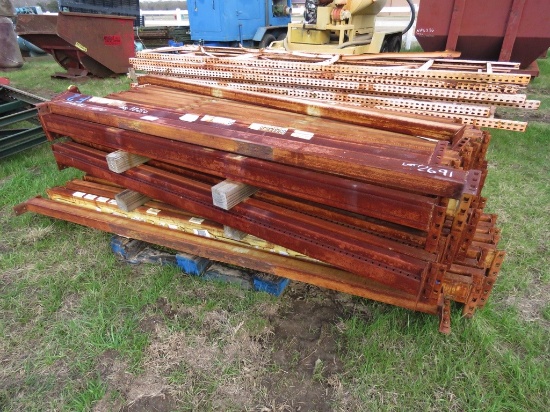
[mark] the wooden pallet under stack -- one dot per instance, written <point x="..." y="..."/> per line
<point x="383" y="206"/>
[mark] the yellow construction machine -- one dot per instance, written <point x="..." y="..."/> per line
<point x="342" y="27"/>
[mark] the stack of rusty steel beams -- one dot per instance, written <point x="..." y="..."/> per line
<point x="464" y="90"/>
<point x="379" y="205"/>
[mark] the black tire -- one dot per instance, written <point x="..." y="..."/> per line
<point x="385" y="46"/>
<point x="395" y="44"/>
<point x="267" y="40"/>
<point x="281" y="36"/>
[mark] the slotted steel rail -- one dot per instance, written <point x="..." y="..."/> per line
<point x="454" y="89"/>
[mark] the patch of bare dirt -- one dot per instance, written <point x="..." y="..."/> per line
<point x="14" y="379"/>
<point x="541" y="116"/>
<point x="531" y="304"/>
<point x="216" y="368"/>
<point x="129" y="392"/>
<point x="306" y="353"/>
<point x="149" y="393"/>
<point x="292" y="364"/>
<point x="4" y="248"/>
<point x="27" y="236"/>
<point x="151" y="324"/>
<point x="5" y="180"/>
<point x="70" y="303"/>
<point x="146" y="392"/>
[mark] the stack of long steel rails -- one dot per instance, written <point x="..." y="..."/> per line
<point x="467" y="91"/>
<point x="380" y="205"/>
<point x="19" y="126"/>
<point x="99" y="195"/>
<point x="160" y="36"/>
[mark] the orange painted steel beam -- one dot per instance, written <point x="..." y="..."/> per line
<point x="413" y="176"/>
<point x="280" y="226"/>
<point x="406" y="209"/>
<point x="364" y="117"/>
<point x="309" y="272"/>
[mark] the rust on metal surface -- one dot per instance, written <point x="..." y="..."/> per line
<point x="449" y="69"/>
<point x="376" y="211"/>
<point x="507" y="30"/>
<point x="301" y="233"/>
<point x="512" y="29"/>
<point x="99" y="44"/>
<point x="462" y="91"/>
<point x="407" y="209"/>
<point x="368" y="118"/>
<point x="309" y="272"/>
<point x="288" y="148"/>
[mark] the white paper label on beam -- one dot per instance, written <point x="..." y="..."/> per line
<point x="189" y="117"/>
<point x="219" y="120"/>
<point x="268" y="128"/>
<point x="302" y="135"/>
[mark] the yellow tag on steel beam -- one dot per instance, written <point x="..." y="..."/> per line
<point x="81" y="47"/>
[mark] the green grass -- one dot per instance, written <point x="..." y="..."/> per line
<point x="35" y="77"/>
<point x="542" y="82"/>
<point x="493" y="362"/>
<point x="499" y="360"/>
<point x="78" y="327"/>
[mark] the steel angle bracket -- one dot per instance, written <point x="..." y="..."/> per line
<point x="458" y="227"/>
<point x="432" y="284"/>
<point x="491" y="277"/>
<point x="444" y="308"/>
<point x="44" y="109"/>
<point x="469" y="233"/>
<point x="474" y="298"/>
<point x="434" y="231"/>
<point x="439" y="151"/>
<point x="473" y="184"/>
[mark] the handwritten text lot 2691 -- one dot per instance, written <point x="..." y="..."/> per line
<point x="429" y="169"/>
